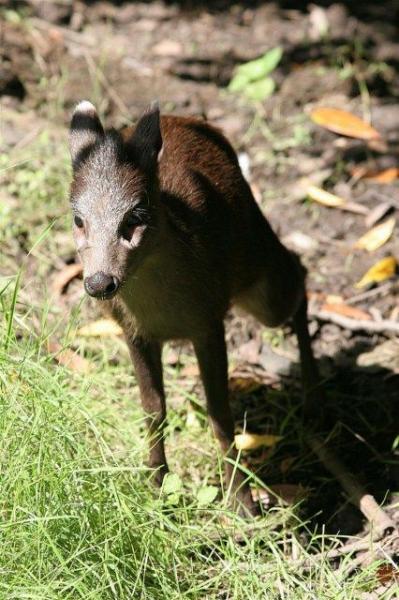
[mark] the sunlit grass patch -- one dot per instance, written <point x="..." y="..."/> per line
<point x="79" y="518"/>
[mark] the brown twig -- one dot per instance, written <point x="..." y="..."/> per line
<point x="367" y="545"/>
<point x="354" y="207"/>
<point x="384" y="326"/>
<point x="380" y="522"/>
<point x="358" y="545"/>
<point x="381" y="290"/>
<point x="68" y="35"/>
<point x="384" y="550"/>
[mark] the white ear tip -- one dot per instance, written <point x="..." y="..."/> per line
<point x="85" y="107"/>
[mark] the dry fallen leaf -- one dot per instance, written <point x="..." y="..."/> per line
<point x="383" y="269"/>
<point x="386" y="573"/>
<point x="323" y="197"/>
<point x="347" y="311"/>
<point x="68" y="358"/>
<point x="65" y="276"/>
<point x="333" y="201"/>
<point x="244" y="385"/>
<point x="344" y="123"/>
<point x="100" y="328"/>
<point x="251" y="441"/>
<point x="385" y="176"/>
<point x="249" y="376"/>
<point x="377" y="236"/>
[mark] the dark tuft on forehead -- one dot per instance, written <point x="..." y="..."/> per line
<point x="108" y="170"/>
<point x="108" y="150"/>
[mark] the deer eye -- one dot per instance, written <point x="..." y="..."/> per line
<point x="78" y="222"/>
<point x="132" y="220"/>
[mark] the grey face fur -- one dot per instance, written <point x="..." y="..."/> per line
<point x="113" y="195"/>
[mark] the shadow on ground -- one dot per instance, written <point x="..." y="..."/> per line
<point x="360" y="418"/>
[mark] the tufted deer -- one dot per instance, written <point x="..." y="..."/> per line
<point x="170" y="237"/>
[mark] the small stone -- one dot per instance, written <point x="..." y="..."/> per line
<point x="168" y="48"/>
<point x="300" y="241"/>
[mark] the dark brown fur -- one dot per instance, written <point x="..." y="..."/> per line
<point x="206" y="246"/>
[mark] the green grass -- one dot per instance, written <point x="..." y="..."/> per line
<point x="79" y="517"/>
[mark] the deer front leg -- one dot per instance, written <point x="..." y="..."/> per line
<point x="146" y="358"/>
<point x="212" y="359"/>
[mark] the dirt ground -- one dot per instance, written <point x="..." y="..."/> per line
<point x="184" y="54"/>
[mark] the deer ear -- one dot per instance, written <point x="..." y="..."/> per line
<point x="146" y="140"/>
<point x="85" y="130"/>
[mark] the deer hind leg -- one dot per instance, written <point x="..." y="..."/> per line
<point x="313" y="393"/>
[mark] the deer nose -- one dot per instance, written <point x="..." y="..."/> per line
<point x="100" y="285"/>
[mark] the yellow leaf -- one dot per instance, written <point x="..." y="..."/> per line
<point x="323" y="197"/>
<point x="377" y="236"/>
<point x="251" y="441"/>
<point x="100" y="328"/>
<point x="383" y="269"/>
<point x="344" y="123"/>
